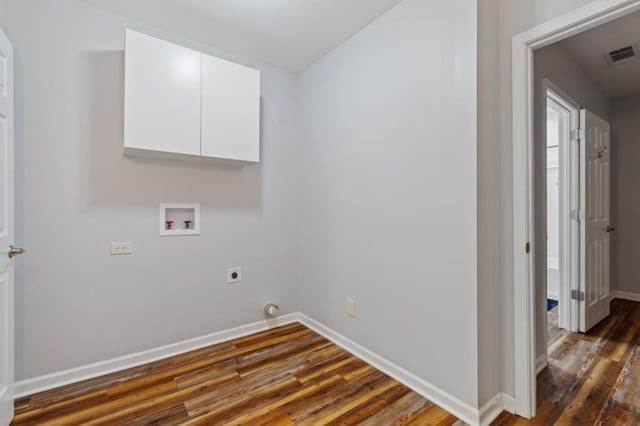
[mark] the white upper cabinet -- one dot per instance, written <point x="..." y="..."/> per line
<point x="230" y="110"/>
<point x="180" y="103"/>
<point x="162" y="96"/>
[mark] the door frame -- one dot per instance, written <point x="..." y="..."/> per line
<point x="569" y="231"/>
<point x="582" y="19"/>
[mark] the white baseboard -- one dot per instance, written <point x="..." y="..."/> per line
<point x="453" y="405"/>
<point x="491" y="410"/>
<point x="541" y="363"/>
<point x="625" y="295"/>
<point x="460" y="409"/>
<point x="496" y="405"/>
<point x="61" y="378"/>
<point x="509" y="403"/>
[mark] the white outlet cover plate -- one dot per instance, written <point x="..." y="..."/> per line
<point x="230" y="278"/>
<point x="351" y="307"/>
<point x="121" y="248"/>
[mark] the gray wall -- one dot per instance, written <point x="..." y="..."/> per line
<point x="554" y="64"/>
<point x="625" y="196"/>
<point x="389" y="190"/>
<point x="4" y="6"/>
<point x="77" y="193"/>
<point x="382" y="215"/>
<point x="69" y="167"/>
<point x="489" y="217"/>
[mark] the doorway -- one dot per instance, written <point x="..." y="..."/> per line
<point x="576" y="186"/>
<point x="561" y="123"/>
<point x="558" y="189"/>
<point x="527" y="244"/>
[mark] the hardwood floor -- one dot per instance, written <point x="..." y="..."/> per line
<point x="293" y="376"/>
<point x="592" y="378"/>
<point x="553" y="331"/>
<point x="285" y="376"/>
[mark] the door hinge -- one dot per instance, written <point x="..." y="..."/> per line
<point x="577" y="135"/>
<point x="577" y="215"/>
<point x="527" y="248"/>
<point x="577" y="295"/>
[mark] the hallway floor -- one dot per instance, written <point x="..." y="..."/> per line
<point x="592" y="378"/>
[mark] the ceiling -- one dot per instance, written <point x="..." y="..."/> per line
<point x="289" y="34"/>
<point x="590" y="50"/>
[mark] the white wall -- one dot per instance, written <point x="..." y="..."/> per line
<point x="515" y="16"/>
<point x="77" y="193"/>
<point x="554" y="64"/>
<point x="625" y="197"/>
<point x="388" y="124"/>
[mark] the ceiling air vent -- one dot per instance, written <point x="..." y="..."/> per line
<point x="623" y="54"/>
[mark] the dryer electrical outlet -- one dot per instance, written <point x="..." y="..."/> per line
<point x="234" y="275"/>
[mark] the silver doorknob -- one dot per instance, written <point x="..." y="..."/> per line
<point x="14" y="251"/>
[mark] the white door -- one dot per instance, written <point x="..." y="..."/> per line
<point x="595" y="228"/>
<point x="6" y="230"/>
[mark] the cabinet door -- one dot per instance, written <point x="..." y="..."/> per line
<point x="162" y="95"/>
<point x="230" y="110"/>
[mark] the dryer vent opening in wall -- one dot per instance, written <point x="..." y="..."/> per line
<point x="623" y="54"/>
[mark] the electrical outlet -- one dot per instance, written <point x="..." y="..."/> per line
<point x="121" y="248"/>
<point x="234" y="275"/>
<point x="351" y="307"/>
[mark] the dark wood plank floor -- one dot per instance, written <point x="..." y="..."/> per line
<point x="285" y="376"/>
<point x="592" y="378"/>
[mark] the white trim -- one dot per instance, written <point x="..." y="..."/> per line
<point x="491" y="410"/>
<point x="635" y="297"/>
<point x="509" y="403"/>
<point x="61" y="378"/>
<point x="453" y="405"/>
<point x="589" y="16"/>
<point x="541" y="363"/>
